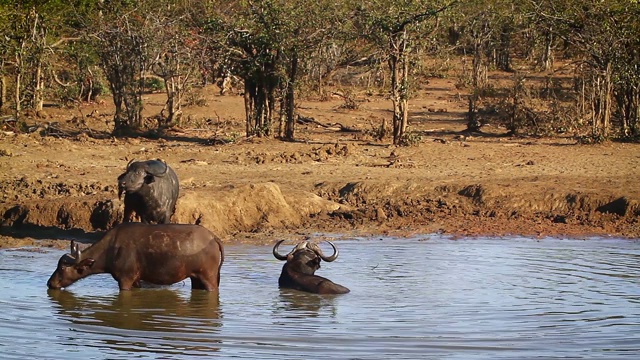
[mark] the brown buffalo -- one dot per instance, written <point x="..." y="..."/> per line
<point x="160" y="254"/>
<point x="301" y="264"/>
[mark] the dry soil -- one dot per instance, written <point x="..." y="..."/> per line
<point x="58" y="181"/>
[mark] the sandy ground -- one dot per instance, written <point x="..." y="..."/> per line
<point x="59" y="181"/>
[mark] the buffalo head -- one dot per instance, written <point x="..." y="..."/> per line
<point x="301" y="264"/>
<point x="70" y="269"/>
<point x="305" y="257"/>
<point x="139" y="173"/>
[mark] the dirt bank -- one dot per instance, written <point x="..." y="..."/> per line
<point x="58" y="182"/>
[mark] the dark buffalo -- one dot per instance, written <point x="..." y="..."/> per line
<point x="301" y="264"/>
<point x="160" y="254"/>
<point x="150" y="190"/>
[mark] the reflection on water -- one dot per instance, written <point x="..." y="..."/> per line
<point x="422" y="298"/>
<point x="149" y="320"/>
<point x="147" y="310"/>
<point x="297" y="304"/>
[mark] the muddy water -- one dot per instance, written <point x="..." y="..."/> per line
<point x="421" y="298"/>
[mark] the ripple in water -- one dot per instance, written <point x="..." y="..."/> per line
<point x="425" y="297"/>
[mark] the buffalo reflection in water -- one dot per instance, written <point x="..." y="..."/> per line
<point x="298" y="304"/>
<point x="160" y="318"/>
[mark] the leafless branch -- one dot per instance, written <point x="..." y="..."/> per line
<point x="419" y="17"/>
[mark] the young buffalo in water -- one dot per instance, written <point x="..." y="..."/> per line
<point x="159" y="254"/>
<point x="301" y="264"/>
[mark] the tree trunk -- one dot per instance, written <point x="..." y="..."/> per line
<point x="38" y="101"/>
<point x="259" y="109"/>
<point x="36" y="59"/>
<point x="120" y="122"/>
<point x="290" y="99"/>
<point x="547" y="54"/>
<point x="479" y="79"/>
<point x="472" y="113"/>
<point x="265" y="107"/>
<point x="133" y="109"/>
<point x="479" y="67"/>
<point x="395" y="97"/>
<point x="503" y="52"/>
<point x="249" y="106"/>
<point x="608" y="100"/>
<point x="399" y="67"/>
<point x="169" y="104"/>
<point x="3" y="92"/>
<point x="18" y="84"/>
<point x="177" y="105"/>
<point x="89" y="87"/>
<point x="404" y="92"/>
<point x="602" y="102"/>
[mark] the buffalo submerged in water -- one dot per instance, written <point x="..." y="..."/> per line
<point x="150" y="191"/>
<point x="301" y="264"/>
<point x="161" y="254"/>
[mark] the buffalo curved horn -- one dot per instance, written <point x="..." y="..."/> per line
<point x="276" y="253"/>
<point x="279" y="256"/>
<point x="129" y="163"/>
<point x="152" y="167"/>
<point x="331" y="258"/>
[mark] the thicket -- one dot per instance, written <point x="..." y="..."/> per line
<point x="68" y="51"/>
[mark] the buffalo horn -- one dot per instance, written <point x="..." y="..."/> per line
<point x="279" y="256"/>
<point x="130" y="162"/>
<point x="152" y="168"/>
<point x="276" y="253"/>
<point x="75" y="250"/>
<point x="331" y="258"/>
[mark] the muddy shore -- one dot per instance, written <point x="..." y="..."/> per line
<point x="56" y="186"/>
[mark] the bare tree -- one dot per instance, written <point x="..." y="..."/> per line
<point x="267" y="41"/>
<point x="604" y="37"/>
<point x="174" y="63"/>
<point x="122" y="48"/>
<point x="389" y="28"/>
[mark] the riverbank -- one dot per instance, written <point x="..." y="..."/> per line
<point x="59" y="181"/>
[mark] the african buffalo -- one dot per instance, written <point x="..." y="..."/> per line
<point x="299" y="270"/>
<point x="160" y="254"/>
<point x="150" y="190"/>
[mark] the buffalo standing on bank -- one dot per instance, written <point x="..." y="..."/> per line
<point x="150" y="190"/>
<point x="301" y="264"/>
<point x="159" y="254"/>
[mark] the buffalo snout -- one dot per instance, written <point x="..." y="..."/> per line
<point x="56" y="281"/>
<point x="132" y="181"/>
<point x="68" y="271"/>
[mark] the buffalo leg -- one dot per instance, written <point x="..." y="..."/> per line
<point x="202" y="283"/>
<point x="165" y="219"/>
<point x="125" y="285"/>
<point x="128" y="215"/>
<point x="128" y="284"/>
<point x="196" y="283"/>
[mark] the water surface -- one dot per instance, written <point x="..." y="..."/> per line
<point x="421" y="298"/>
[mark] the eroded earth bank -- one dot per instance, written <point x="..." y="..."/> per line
<point x="59" y="181"/>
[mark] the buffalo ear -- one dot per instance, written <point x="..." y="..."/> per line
<point x="85" y="264"/>
<point x="149" y="179"/>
